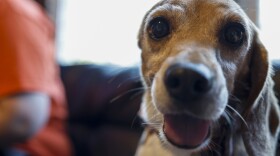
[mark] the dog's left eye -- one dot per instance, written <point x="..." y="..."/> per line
<point x="158" y="28"/>
<point x="234" y="34"/>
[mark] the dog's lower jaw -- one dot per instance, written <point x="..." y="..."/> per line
<point x="153" y="143"/>
<point x="185" y="131"/>
<point x="159" y="139"/>
<point x="179" y="151"/>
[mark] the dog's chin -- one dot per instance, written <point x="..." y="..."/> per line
<point x="186" y="132"/>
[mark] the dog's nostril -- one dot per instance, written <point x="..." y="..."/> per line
<point x="188" y="82"/>
<point x="202" y="85"/>
<point x="173" y="78"/>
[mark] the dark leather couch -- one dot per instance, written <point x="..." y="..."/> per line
<point x="103" y="104"/>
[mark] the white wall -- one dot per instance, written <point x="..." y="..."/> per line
<point x="101" y="30"/>
<point x="270" y="26"/>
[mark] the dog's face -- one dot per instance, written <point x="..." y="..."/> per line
<point x="193" y="52"/>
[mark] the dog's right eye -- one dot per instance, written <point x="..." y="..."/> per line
<point x="234" y="34"/>
<point x="158" y="28"/>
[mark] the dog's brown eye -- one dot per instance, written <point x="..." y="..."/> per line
<point x="158" y="28"/>
<point x="233" y="34"/>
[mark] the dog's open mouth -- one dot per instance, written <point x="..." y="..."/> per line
<point x="185" y="131"/>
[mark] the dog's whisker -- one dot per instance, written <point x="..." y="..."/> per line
<point x="154" y="125"/>
<point x="115" y="72"/>
<point x="133" y="121"/>
<point x="135" y="78"/>
<point x="137" y="115"/>
<point x="150" y="123"/>
<point x="137" y="94"/>
<point x="127" y="92"/>
<point x="153" y="121"/>
<point x="154" y="116"/>
<point x="239" y="115"/>
<point x="234" y="98"/>
<point x="212" y="146"/>
<point x="227" y="115"/>
<point x="149" y="107"/>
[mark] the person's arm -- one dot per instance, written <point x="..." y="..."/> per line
<point x="27" y="70"/>
<point x="22" y="116"/>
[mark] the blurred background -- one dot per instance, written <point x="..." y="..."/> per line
<point x="98" y="31"/>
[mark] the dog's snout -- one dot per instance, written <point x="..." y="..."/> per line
<point x="188" y="82"/>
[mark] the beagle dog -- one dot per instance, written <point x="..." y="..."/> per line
<point x="208" y="85"/>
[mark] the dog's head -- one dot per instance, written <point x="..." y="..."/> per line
<point x="197" y="55"/>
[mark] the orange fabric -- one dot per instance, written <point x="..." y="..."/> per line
<point x="27" y="64"/>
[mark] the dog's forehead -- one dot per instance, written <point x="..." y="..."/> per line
<point x="213" y="7"/>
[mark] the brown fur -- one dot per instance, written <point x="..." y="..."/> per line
<point x="195" y="26"/>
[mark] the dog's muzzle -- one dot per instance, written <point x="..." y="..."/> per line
<point x="187" y="83"/>
<point x="190" y="92"/>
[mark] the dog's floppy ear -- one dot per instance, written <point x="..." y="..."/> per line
<point x="259" y="115"/>
<point x="259" y="71"/>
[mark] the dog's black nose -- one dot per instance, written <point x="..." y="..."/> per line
<point x="188" y="82"/>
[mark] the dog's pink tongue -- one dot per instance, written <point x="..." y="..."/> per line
<point x="185" y="131"/>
